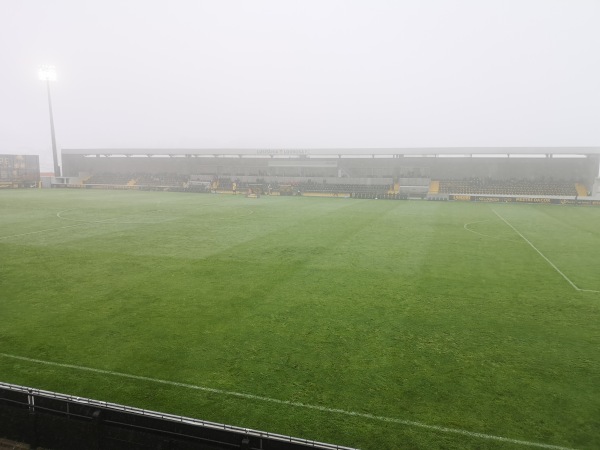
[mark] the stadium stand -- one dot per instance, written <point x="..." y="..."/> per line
<point x="402" y="188"/>
<point x="434" y="187"/>
<point x="343" y="188"/>
<point x="109" y="179"/>
<point x="161" y="179"/>
<point x="508" y="187"/>
<point x="288" y="173"/>
<point x="581" y="190"/>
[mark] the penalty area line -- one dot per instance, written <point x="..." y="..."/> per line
<point x="577" y="288"/>
<point x="409" y="423"/>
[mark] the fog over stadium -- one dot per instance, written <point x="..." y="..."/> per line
<point x="299" y="224"/>
<point x="300" y="74"/>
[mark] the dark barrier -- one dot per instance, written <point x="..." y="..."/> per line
<point x="547" y="200"/>
<point x="58" y="421"/>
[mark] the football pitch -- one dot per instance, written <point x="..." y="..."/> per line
<point x="366" y="323"/>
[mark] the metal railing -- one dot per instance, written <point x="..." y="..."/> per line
<point x="106" y="421"/>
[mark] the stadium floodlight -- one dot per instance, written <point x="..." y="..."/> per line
<point x="48" y="74"/>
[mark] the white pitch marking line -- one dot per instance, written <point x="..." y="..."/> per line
<point x="168" y="219"/>
<point x="466" y="227"/>
<point x="81" y="223"/>
<point x="296" y="404"/>
<point x="543" y="256"/>
<point x="43" y="231"/>
<point x="58" y="214"/>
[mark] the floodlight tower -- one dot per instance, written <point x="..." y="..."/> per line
<point x="48" y="74"/>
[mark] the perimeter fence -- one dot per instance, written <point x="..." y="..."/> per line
<point x="59" y="421"/>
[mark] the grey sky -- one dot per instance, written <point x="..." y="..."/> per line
<point x="300" y="74"/>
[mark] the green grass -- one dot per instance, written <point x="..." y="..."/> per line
<point x="421" y="311"/>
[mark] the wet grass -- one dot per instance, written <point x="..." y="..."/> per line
<point x="432" y="312"/>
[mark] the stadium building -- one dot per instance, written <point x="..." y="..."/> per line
<point x="394" y="173"/>
<point x="18" y="171"/>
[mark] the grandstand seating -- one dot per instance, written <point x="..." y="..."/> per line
<point x="342" y="188"/>
<point x="161" y="179"/>
<point x="434" y="187"/>
<point x="108" y="178"/>
<point x="137" y="179"/>
<point x="396" y="189"/>
<point x="478" y="186"/>
<point x="581" y="190"/>
<point x="309" y="187"/>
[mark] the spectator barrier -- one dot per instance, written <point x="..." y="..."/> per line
<point x="52" y="420"/>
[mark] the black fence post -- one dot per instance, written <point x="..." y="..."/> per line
<point x="97" y="429"/>
<point x="33" y="437"/>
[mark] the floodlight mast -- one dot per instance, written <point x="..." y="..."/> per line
<point x="48" y="74"/>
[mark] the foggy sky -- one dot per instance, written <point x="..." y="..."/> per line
<point x="300" y="74"/>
